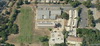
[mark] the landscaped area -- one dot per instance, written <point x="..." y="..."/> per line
<point x="25" y="21"/>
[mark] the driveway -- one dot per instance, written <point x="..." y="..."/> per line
<point x="84" y="17"/>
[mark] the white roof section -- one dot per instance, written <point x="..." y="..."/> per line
<point x="56" y="38"/>
<point x="75" y="22"/>
<point x="55" y="12"/>
<point x="72" y="22"/>
<point x="75" y="13"/>
<point x="69" y="22"/>
<point x="72" y="32"/>
<point x="45" y="24"/>
<point x="70" y="13"/>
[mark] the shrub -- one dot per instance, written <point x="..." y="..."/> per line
<point x="26" y="2"/>
<point x="75" y="3"/>
<point x="88" y="3"/>
<point x="43" y="39"/>
<point x="65" y="15"/>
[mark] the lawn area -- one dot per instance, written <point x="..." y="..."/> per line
<point x="27" y="32"/>
<point x="25" y="21"/>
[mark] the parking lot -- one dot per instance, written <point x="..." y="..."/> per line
<point x="84" y="17"/>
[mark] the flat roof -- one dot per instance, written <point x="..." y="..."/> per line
<point x="74" y="39"/>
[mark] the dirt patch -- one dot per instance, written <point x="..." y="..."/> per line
<point x="12" y="39"/>
<point x="65" y="22"/>
<point x="42" y="32"/>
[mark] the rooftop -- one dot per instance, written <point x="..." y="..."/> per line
<point x="74" y="39"/>
<point x="47" y="13"/>
<point x="56" y="37"/>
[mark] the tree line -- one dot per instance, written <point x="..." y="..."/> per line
<point x="90" y="36"/>
<point x="8" y="27"/>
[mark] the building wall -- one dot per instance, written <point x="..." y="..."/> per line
<point x="73" y="42"/>
<point x="47" y="1"/>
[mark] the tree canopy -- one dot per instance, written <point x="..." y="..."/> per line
<point x="65" y="15"/>
<point x="62" y="44"/>
<point x="44" y="39"/>
<point x="75" y="3"/>
<point x="90" y="36"/>
<point x="98" y="5"/>
<point x="90" y="12"/>
<point x="88" y="3"/>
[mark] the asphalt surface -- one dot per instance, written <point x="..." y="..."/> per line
<point x="84" y="17"/>
<point x="65" y="7"/>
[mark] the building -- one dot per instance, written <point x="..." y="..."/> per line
<point x="56" y="37"/>
<point x="46" y="16"/>
<point x="72" y="22"/>
<point x="74" y="41"/>
<point x="48" y="1"/>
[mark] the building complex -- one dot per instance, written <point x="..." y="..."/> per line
<point x="49" y="17"/>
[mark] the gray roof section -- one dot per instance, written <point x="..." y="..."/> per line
<point x="47" y="12"/>
<point x="43" y="14"/>
<point x="53" y="17"/>
<point x="55" y="12"/>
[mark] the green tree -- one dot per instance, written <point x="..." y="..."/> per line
<point x="26" y="2"/>
<point x="20" y="2"/>
<point x="44" y="39"/>
<point x="13" y="18"/>
<point x="16" y="11"/>
<point x="61" y="0"/>
<point x="79" y="10"/>
<point x="91" y="36"/>
<point x="50" y="29"/>
<point x="62" y="44"/>
<point x="84" y="43"/>
<point x="88" y="3"/>
<point x="68" y="1"/>
<point x="36" y="2"/>
<point x="64" y="32"/>
<point x="3" y="26"/>
<point x="98" y="5"/>
<point x="10" y="24"/>
<point x="91" y="20"/>
<point x="75" y="3"/>
<point x="65" y="15"/>
<point x="3" y="34"/>
<point x="98" y="20"/>
<point x="7" y="44"/>
<point x="90" y="12"/>
<point x="7" y="12"/>
<point x="14" y="29"/>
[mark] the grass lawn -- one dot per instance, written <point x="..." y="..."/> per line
<point x="25" y="21"/>
<point x="27" y="33"/>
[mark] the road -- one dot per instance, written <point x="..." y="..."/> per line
<point x="64" y="7"/>
<point x="84" y="17"/>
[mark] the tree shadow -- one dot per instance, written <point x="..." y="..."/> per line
<point x="97" y="21"/>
